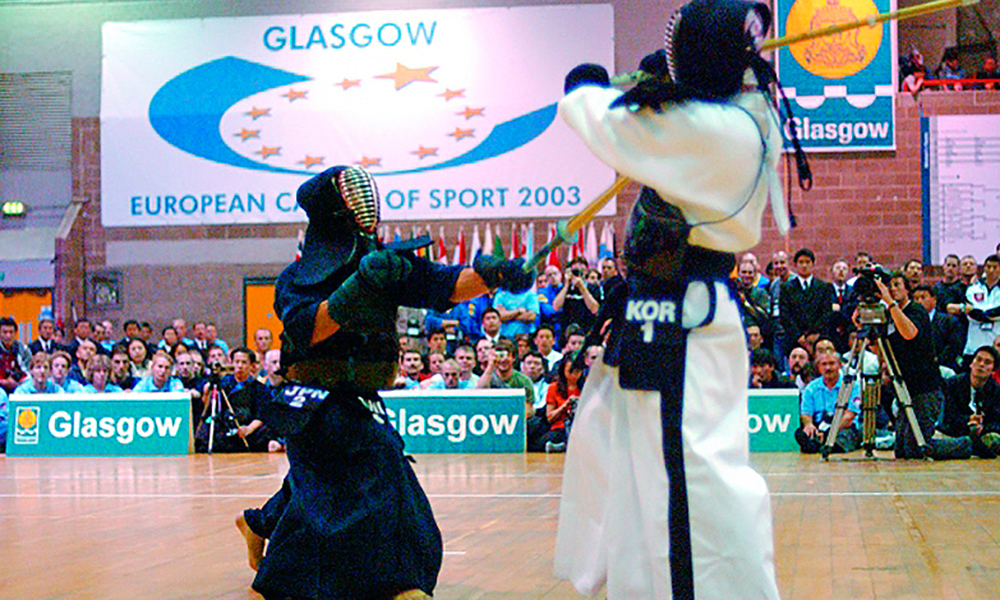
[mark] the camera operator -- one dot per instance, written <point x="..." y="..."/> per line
<point x="578" y="300"/>
<point x="911" y="338"/>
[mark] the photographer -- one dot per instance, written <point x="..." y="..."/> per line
<point x="578" y="300"/>
<point x="910" y="335"/>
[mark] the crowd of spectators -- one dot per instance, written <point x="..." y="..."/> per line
<point x="802" y="330"/>
<point x="913" y="73"/>
<point x="223" y="384"/>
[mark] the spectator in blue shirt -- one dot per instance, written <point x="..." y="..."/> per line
<point x="38" y="382"/>
<point x="61" y="364"/>
<point x="819" y="402"/>
<point x="159" y="379"/>
<point x="99" y="375"/>
<point x="448" y="379"/>
<point x="518" y="312"/>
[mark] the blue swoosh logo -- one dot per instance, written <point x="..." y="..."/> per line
<point x="187" y="112"/>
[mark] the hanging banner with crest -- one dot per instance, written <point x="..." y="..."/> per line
<point x="842" y="87"/>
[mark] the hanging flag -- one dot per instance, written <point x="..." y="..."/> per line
<point x="515" y="242"/>
<point x="398" y="236"/>
<point x="476" y="247"/>
<point x="607" y="244"/>
<point x="488" y="240"/>
<point x="553" y="258"/>
<point x="300" y="244"/>
<point x="590" y="249"/>
<point x="442" y="253"/>
<point x="460" y="258"/>
<point x="528" y="239"/>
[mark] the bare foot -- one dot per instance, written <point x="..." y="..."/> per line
<point x="255" y="543"/>
<point x="410" y="595"/>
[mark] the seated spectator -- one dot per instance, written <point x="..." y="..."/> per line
<point x="533" y="366"/>
<point x="39" y="382"/>
<point x="86" y="350"/>
<point x="560" y="405"/>
<point x="500" y="374"/>
<point x="483" y="349"/>
<point x="159" y="378"/>
<point x="989" y="71"/>
<point x="14" y="356"/>
<point x="192" y="383"/>
<point x="121" y="369"/>
<point x="575" y="337"/>
<point x="137" y="355"/>
<point x="45" y="343"/>
<point x="593" y="277"/>
<point x="465" y="356"/>
<point x="272" y="366"/>
<point x="217" y="357"/>
<point x="818" y="405"/>
<point x="593" y="351"/>
<point x="447" y="378"/>
<point x="524" y="346"/>
<point x="437" y="341"/>
<point x="212" y="338"/>
<point x="101" y="339"/>
<point x="411" y="368"/>
<point x="435" y="360"/>
<point x="763" y="372"/>
<point x="99" y="375"/>
<point x="262" y="339"/>
<point x="545" y="342"/>
<point x="996" y="372"/>
<point x="60" y="363"/>
<point x="914" y="82"/>
<point x="972" y="405"/>
<point x="799" y="368"/>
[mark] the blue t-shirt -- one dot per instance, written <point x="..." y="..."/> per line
<point x="146" y="385"/>
<point x="527" y="300"/>
<point x="28" y="387"/>
<point x="109" y="388"/>
<point x="70" y="386"/>
<point x="820" y="401"/>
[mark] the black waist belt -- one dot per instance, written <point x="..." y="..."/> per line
<point x="331" y="372"/>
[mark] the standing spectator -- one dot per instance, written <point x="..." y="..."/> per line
<point x="577" y="301"/>
<point x="950" y="69"/>
<point x="500" y="374"/>
<point x="180" y="326"/>
<point x="45" y="343"/>
<point x="262" y="339"/>
<point x="82" y="330"/>
<point x="159" y="378"/>
<point x="806" y="301"/>
<point x="982" y="307"/>
<point x="137" y="355"/>
<point x="950" y="289"/>
<point x="99" y="377"/>
<point x="491" y="324"/>
<point x="437" y="341"/>
<point x="913" y="270"/>
<point x="168" y="339"/>
<point x="39" y="382"/>
<point x="844" y="302"/>
<point x="465" y="356"/>
<point x="819" y="403"/>
<point x="517" y="312"/>
<point x="755" y="303"/>
<point x="779" y="275"/>
<point x="755" y="339"/>
<point x="100" y="338"/>
<point x="914" y="82"/>
<point x="545" y="341"/>
<point x="972" y="405"/>
<point x="61" y="364"/>
<point x="547" y="296"/>
<point x="968" y="270"/>
<point x="14" y="357"/>
<point x="989" y="71"/>
<point x="609" y="275"/>
<point x="862" y="260"/>
<point x="199" y="337"/>
<point x="947" y="335"/>
<point x="121" y="368"/>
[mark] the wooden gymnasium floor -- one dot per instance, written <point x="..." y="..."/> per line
<point x="163" y="527"/>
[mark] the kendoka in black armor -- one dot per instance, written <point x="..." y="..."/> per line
<point x="351" y="520"/>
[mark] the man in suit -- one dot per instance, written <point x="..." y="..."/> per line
<point x="45" y="343"/>
<point x="806" y="301"/>
<point x="946" y="330"/>
<point x="972" y="405"/>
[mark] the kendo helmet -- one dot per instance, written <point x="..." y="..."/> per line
<point x="342" y="204"/>
<point x="711" y="43"/>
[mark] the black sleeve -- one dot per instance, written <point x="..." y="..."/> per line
<point x="429" y="285"/>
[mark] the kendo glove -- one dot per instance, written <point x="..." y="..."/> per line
<point x="507" y="274"/>
<point x="366" y="301"/>
<point x="586" y="74"/>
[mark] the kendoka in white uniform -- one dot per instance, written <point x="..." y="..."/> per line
<point x="658" y="498"/>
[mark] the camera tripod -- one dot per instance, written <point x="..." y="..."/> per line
<point x="871" y="387"/>
<point x="213" y="408"/>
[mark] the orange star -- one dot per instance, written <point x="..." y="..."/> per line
<point x="468" y="113"/>
<point x="266" y="151"/>
<point x="311" y="161"/>
<point x="292" y="95"/>
<point x="449" y="94"/>
<point x="349" y="83"/>
<point x="246" y="134"/>
<point x="404" y="76"/>
<point x="423" y="152"/>
<point x="369" y="162"/>
<point x="258" y="112"/>
<point x="458" y="134"/>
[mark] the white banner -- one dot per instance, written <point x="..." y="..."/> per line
<point x="218" y="121"/>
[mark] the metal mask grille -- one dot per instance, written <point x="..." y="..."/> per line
<point x="668" y="43"/>
<point x="360" y="197"/>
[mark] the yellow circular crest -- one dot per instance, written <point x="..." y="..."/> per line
<point x="838" y="55"/>
<point x="27" y="419"/>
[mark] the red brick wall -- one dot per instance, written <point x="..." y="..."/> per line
<point x="869" y="201"/>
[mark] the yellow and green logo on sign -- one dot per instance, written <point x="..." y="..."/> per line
<point x="839" y="55"/>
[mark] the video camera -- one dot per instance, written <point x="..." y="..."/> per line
<point x="216" y="371"/>
<point x="870" y="309"/>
